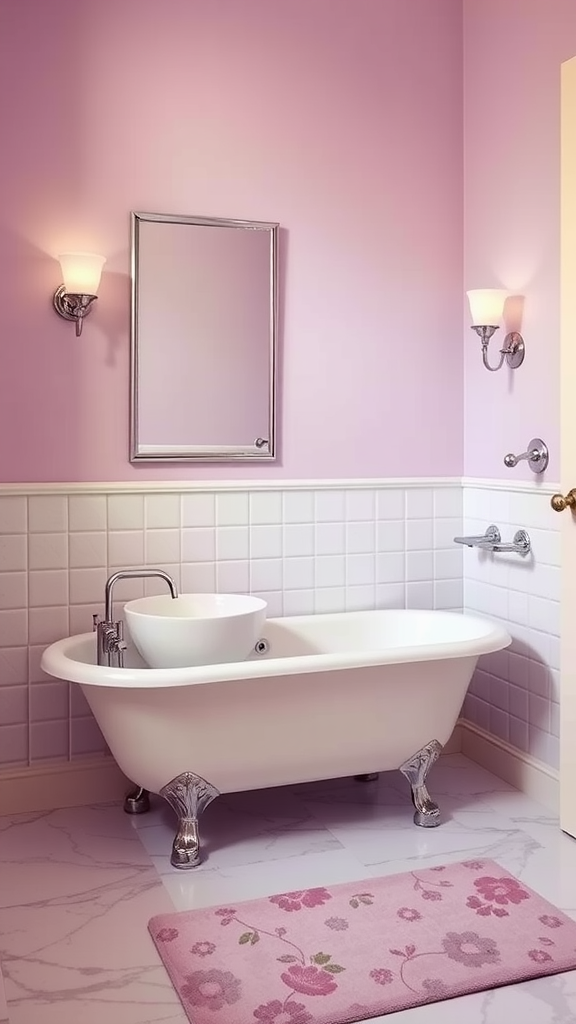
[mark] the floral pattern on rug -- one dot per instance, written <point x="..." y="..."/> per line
<point x="350" y="952"/>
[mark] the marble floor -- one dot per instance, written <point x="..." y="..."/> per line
<point x="78" y="886"/>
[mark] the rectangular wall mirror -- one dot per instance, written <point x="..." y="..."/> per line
<point x="203" y="339"/>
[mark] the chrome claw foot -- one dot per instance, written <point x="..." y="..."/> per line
<point x="427" y="813"/>
<point x="367" y="777"/>
<point x="186" y="845"/>
<point x="137" y="801"/>
<point x="188" y="794"/>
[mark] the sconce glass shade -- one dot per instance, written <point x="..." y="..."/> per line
<point x="81" y="272"/>
<point x="486" y="306"/>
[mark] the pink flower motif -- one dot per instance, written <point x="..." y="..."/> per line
<point x="310" y="981"/>
<point x="485" y="909"/>
<point x="203" y="948"/>
<point x="381" y="976"/>
<point x="550" y="921"/>
<point x="213" y="989"/>
<point x="539" y="956"/>
<point x="276" y="1012"/>
<point x="474" y="865"/>
<point x="435" y="988"/>
<point x="438" y="869"/>
<point x="225" y="912"/>
<point x="429" y="894"/>
<point x="473" y="902"/>
<point x="167" y="934"/>
<point x="337" y="924"/>
<point x="501" y="890"/>
<point x="408" y="914"/>
<point x="301" y="898"/>
<point x="471" y="949"/>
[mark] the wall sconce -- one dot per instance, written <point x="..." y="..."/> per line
<point x="81" y="272"/>
<point x="486" y="308"/>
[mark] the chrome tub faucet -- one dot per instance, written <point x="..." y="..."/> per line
<point x="109" y="634"/>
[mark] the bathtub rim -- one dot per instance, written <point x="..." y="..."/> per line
<point x="493" y="638"/>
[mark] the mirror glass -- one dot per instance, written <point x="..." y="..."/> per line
<point x="203" y="338"/>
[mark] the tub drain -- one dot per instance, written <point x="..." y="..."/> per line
<point x="262" y="647"/>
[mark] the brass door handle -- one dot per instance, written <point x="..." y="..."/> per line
<point x="559" y="502"/>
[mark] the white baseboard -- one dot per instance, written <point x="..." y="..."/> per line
<point x="532" y="777"/>
<point x="48" y="785"/>
<point x="454" y="744"/>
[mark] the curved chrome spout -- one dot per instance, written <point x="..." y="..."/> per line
<point x="126" y="574"/>
<point x="492" y="536"/>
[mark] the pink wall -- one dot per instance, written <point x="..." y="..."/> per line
<point x="340" y="120"/>
<point x="513" y="50"/>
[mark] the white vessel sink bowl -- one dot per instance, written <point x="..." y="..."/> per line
<point x="195" y="629"/>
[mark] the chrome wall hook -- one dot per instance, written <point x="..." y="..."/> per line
<point x="537" y="456"/>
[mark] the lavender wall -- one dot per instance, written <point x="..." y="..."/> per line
<point x="512" y="217"/>
<point x="341" y="121"/>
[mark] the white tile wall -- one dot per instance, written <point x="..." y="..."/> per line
<point x="515" y="693"/>
<point x="303" y="550"/>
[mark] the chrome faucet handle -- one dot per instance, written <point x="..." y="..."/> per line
<point x="96" y="620"/>
<point x="112" y="638"/>
<point x="536" y="455"/>
<point x="520" y="545"/>
<point x="117" y="643"/>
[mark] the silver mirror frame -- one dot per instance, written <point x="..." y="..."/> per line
<point x="263" y="448"/>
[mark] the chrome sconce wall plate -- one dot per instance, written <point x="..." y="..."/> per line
<point x="486" y="308"/>
<point x="536" y="456"/>
<point x="81" y="272"/>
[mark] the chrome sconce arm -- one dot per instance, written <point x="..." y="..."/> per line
<point x="81" y="273"/>
<point x="73" y="306"/>
<point x="513" y="351"/>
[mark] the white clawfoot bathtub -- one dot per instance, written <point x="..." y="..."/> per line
<point x="333" y="695"/>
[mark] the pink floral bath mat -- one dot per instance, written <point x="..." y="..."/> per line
<point x="361" y="950"/>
